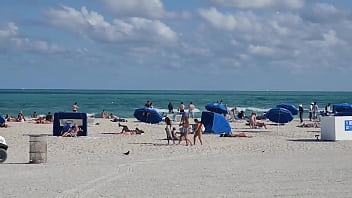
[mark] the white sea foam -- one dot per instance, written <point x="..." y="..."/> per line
<point x="254" y="109"/>
<point x="175" y="110"/>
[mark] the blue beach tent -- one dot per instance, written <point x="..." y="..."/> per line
<point x="216" y="107"/>
<point x="147" y="115"/>
<point x="289" y="107"/>
<point x="215" y="123"/>
<point x="61" y="120"/>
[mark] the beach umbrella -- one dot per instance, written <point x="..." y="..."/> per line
<point x="216" y="107"/>
<point x="341" y="108"/>
<point x="279" y="115"/>
<point x="289" y="107"/>
<point x="215" y="123"/>
<point x="147" y="115"/>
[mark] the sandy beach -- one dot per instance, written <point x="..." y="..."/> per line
<point x="275" y="162"/>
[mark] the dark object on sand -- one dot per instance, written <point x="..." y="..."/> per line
<point x="127" y="153"/>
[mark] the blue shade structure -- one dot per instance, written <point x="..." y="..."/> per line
<point x="289" y="107"/>
<point x="216" y="107"/>
<point x="63" y="118"/>
<point x="279" y="115"/>
<point x="341" y="108"/>
<point x="215" y="123"/>
<point x="147" y="115"/>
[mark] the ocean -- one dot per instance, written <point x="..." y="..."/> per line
<point x="122" y="103"/>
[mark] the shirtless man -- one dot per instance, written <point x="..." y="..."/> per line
<point x="75" y="107"/>
<point x="181" y="108"/>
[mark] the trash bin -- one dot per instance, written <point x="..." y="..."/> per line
<point x="37" y="149"/>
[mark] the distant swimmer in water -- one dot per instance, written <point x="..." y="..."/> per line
<point x="75" y="107"/>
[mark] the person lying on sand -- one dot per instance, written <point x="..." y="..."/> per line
<point x="309" y="125"/>
<point x="126" y="131"/>
<point x="72" y="132"/>
<point x="234" y="135"/>
<point x="41" y="120"/>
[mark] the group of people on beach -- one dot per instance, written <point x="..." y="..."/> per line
<point x="184" y="131"/>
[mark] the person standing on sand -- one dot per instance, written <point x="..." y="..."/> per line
<point x="185" y="130"/>
<point x="191" y="108"/>
<point x="75" y="107"/>
<point x="300" y="110"/>
<point x="181" y="108"/>
<point x="170" y="107"/>
<point x="198" y="132"/>
<point x="311" y="111"/>
<point x="315" y="110"/>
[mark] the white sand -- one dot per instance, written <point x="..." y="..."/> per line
<point x="284" y="162"/>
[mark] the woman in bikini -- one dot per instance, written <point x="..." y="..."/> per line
<point x="198" y="132"/>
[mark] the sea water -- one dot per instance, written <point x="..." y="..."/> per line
<point x="122" y="103"/>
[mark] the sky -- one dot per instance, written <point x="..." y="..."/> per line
<point x="249" y="45"/>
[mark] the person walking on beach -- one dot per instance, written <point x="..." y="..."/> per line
<point x="170" y="107"/>
<point x="185" y="130"/>
<point x="75" y="107"/>
<point x="300" y="110"/>
<point x="181" y="108"/>
<point x="327" y="109"/>
<point x="315" y="110"/>
<point x="311" y="111"/>
<point x="198" y="132"/>
<point x="191" y="108"/>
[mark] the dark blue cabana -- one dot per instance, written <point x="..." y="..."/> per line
<point x="216" y="107"/>
<point x="215" y="123"/>
<point x="60" y="118"/>
<point x="279" y="115"/>
<point x="289" y="107"/>
<point x="147" y="115"/>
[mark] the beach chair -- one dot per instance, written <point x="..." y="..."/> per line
<point x="178" y="118"/>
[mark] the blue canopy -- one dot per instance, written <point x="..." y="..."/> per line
<point x="147" y="115"/>
<point x="341" y="108"/>
<point x="289" y="107"/>
<point x="216" y="107"/>
<point x="61" y="118"/>
<point x="215" y="123"/>
<point x="2" y="119"/>
<point x="279" y="115"/>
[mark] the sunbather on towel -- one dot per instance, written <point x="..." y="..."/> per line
<point x="234" y="135"/>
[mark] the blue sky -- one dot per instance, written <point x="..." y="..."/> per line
<point x="178" y="45"/>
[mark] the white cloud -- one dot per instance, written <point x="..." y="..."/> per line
<point x="8" y="30"/>
<point x="219" y="20"/>
<point x="329" y="39"/>
<point x="135" y="8"/>
<point x="261" y="50"/>
<point x="260" y="4"/>
<point x="324" y="9"/>
<point x="11" y="36"/>
<point x="244" y="21"/>
<point x="94" y="26"/>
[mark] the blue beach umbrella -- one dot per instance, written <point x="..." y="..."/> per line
<point x="289" y="107"/>
<point x="216" y="107"/>
<point x="342" y="107"/>
<point x="279" y="115"/>
<point x="147" y="115"/>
